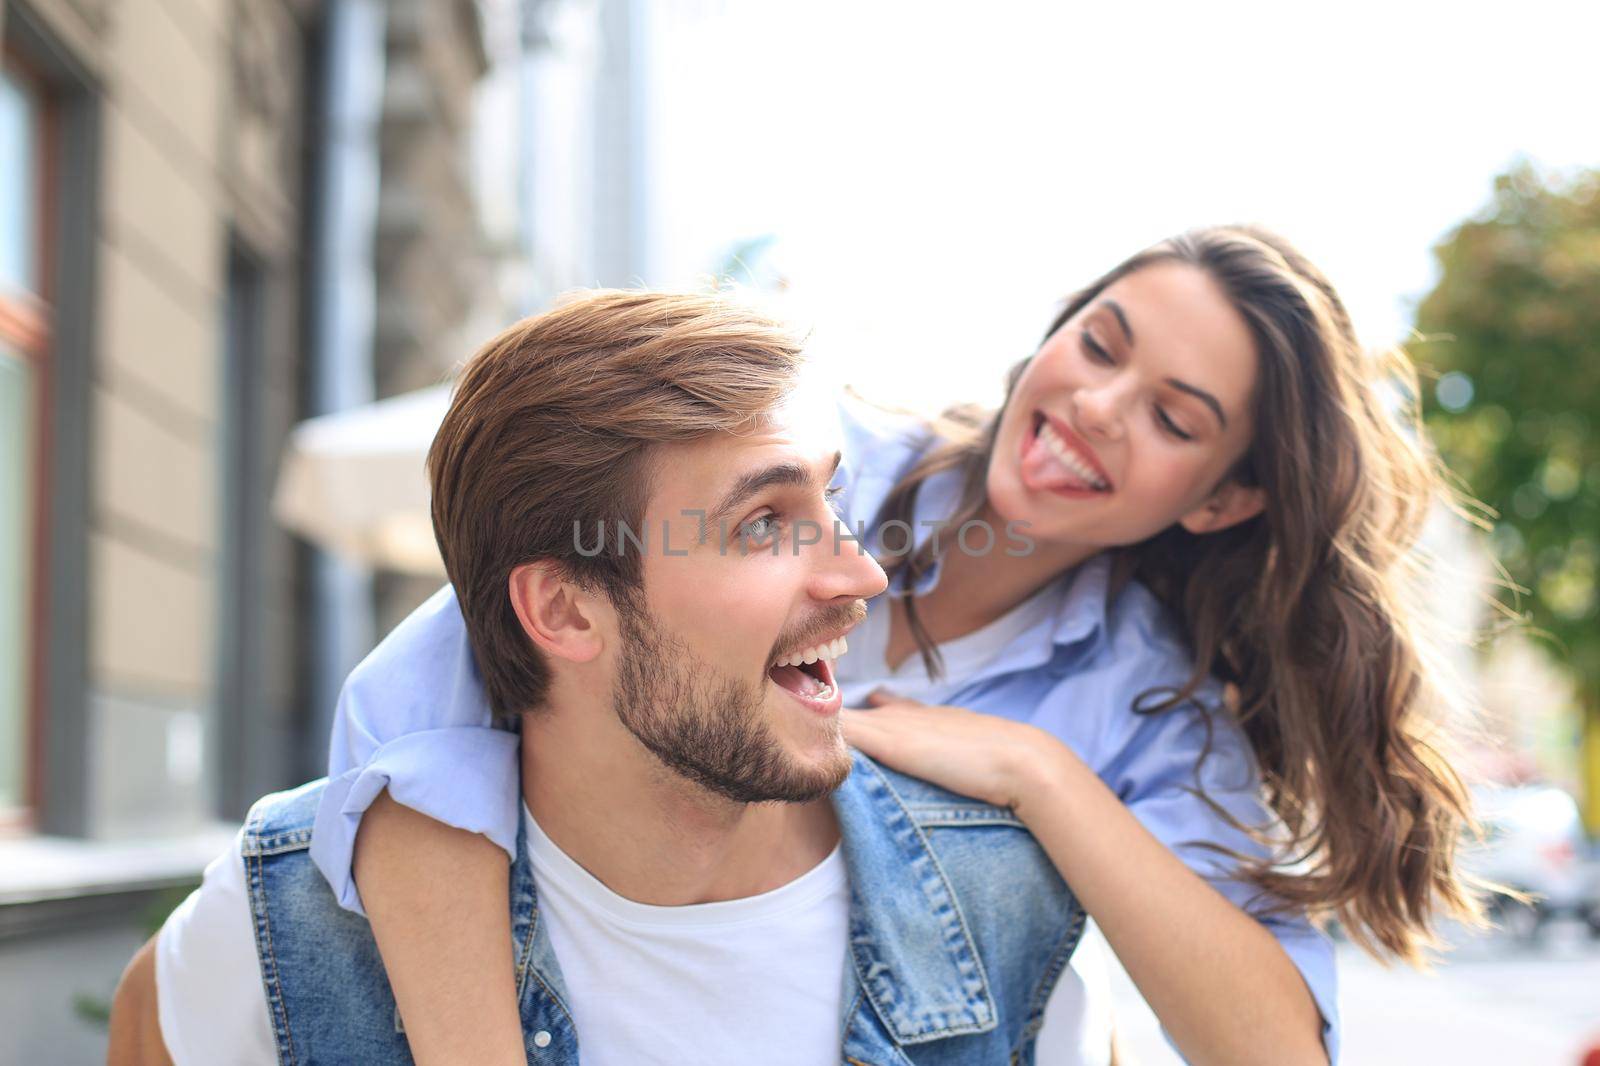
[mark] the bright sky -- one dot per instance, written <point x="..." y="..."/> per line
<point x="937" y="174"/>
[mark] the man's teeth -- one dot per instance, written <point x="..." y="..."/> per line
<point x="831" y="650"/>
<point x="1069" y="458"/>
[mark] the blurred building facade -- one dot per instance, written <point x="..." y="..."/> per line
<point x="217" y="217"/>
<point x="161" y="179"/>
<point x="154" y="169"/>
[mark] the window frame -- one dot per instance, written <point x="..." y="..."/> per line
<point x="26" y="329"/>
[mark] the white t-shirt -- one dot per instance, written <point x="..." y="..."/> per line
<point x="209" y="997"/>
<point x="1077" y="1017"/>
<point x="710" y="982"/>
<point x="702" y="983"/>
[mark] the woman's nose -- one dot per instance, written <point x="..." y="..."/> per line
<point x="1099" y="412"/>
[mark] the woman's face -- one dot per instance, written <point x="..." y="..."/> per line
<point x="1130" y="415"/>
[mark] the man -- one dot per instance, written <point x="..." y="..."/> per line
<point x="623" y="490"/>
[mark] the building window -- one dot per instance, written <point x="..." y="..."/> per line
<point x="25" y="149"/>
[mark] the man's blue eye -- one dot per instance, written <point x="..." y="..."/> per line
<point x="761" y="529"/>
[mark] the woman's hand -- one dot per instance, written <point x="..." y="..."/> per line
<point x="978" y="755"/>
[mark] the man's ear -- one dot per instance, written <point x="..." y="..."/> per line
<point x="1231" y="504"/>
<point x="556" y="614"/>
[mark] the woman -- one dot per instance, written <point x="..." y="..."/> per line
<point x="1211" y="617"/>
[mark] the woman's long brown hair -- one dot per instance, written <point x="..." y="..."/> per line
<point x="1308" y="612"/>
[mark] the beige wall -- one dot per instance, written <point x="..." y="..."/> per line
<point x="199" y="104"/>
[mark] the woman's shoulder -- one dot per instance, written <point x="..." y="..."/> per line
<point x="1144" y="638"/>
<point x="1122" y="702"/>
<point x="878" y="434"/>
<point x="1118" y="627"/>
<point x="1133" y="612"/>
<point x="879" y="445"/>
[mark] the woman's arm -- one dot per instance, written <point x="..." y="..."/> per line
<point x="422" y="808"/>
<point x="135" y="1037"/>
<point x="439" y="901"/>
<point x="1222" y="985"/>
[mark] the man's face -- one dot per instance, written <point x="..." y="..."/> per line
<point x="697" y="680"/>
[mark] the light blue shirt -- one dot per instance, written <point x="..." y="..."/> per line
<point x="413" y="717"/>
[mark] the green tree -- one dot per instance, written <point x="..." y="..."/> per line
<point x="1513" y="326"/>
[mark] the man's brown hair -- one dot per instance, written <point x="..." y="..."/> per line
<point x="549" y="434"/>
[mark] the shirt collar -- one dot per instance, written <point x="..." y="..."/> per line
<point x="1081" y="593"/>
<point x="937" y="499"/>
<point x="1076" y="616"/>
<point x="1084" y="600"/>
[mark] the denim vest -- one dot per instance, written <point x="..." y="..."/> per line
<point x="959" y="928"/>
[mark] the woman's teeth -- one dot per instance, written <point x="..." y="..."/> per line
<point x="1069" y="458"/>
<point x="831" y="650"/>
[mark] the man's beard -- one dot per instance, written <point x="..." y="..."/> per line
<point x="708" y="727"/>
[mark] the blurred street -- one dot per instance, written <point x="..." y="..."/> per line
<point x="1495" y="1002"/>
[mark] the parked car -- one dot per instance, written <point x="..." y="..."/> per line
<point x="1591" y="892"/>
<point x="1535" y="845"/>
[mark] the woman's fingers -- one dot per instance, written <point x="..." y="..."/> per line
<point x="964" y="752"/>
<point x="867" y="730"/>
<point x="856" y="723"/>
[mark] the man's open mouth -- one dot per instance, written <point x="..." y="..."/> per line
<point x="808" y="673"/>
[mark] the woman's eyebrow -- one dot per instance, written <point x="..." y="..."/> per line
<point x="1203" y="396"/>
<point x="1122" y="318"/>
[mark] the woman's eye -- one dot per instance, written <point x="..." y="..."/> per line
<point x="1170" y="426"/>
<point x="1096" y="350"/>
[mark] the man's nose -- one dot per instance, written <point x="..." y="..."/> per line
<point x="844" y="568"/>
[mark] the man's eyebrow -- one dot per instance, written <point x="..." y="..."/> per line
<point x="786" y="473"/>
<point x="1203" y="396"/>
<point x="1122" y="317"/>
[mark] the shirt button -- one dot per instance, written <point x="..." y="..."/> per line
<point x="541" y="1039"/>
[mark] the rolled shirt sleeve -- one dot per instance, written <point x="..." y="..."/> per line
<point x="413" y="718"/>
